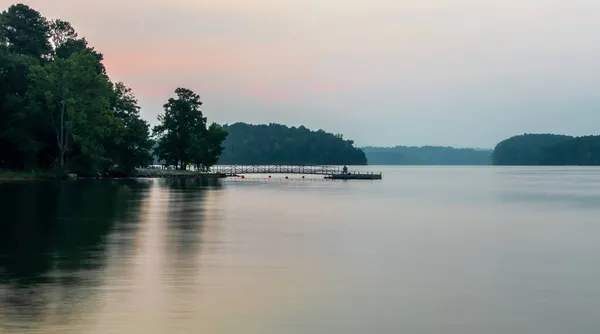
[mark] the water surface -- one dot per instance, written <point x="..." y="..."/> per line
<point x="452" y="250"/>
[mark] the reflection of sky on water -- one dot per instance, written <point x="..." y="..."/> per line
<point x="425" y="250"/>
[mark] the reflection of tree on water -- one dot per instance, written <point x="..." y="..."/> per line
<point x="54" y="233"/>
<point x="186" y="213"/>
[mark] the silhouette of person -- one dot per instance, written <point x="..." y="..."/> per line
<point x="345" y="169"/>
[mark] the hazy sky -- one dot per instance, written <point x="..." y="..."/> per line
<point x="382" y="72"/>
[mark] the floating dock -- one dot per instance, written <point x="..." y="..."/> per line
<point x="354" y="176"/>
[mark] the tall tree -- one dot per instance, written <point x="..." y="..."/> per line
<point x="18" y="140"/>
<point x="208" y="146"/>
<point x="135" y="147"/>
<point x="57" y="104"/>
<point x="25" y="31"/>
<point x="76" y="98"/>
<point x="182" y="134"/>
<point x="60" y="33"/>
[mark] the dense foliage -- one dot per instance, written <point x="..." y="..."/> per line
<point x="426" y="155"/>
<point x="60" y="110"/>
<point x="279" y="144"/>
<point x="527" y="149"/>
<point x="183" y="136"/>
<point x="581" y="151"/>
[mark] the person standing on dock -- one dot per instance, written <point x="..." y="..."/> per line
<point x="345" y="170"/>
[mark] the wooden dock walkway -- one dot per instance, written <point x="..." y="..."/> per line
<point x="330" y="172"/>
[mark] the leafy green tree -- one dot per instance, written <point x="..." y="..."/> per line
<point x="25" y="31"/>
<point x="134" y="149"/>
<point x="182" y="134"/>
<point x="65" y="42"/>
<point x="23" y="43"/>
<point x="61" y="32"/>
<point x="207" y="146"/>
<point x="76" y="98"/>
<point x="19" y="127"/>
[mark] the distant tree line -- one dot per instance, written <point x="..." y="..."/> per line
<point x="60" y="110"/>
<point x="548" y="149"/>
<point x="426" y="155"/>
<point x="280" y="144"/>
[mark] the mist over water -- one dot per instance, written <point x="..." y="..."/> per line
<point x="458" y="250"/>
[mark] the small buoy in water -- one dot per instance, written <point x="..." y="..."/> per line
<point x="286" y="177"/>
<point x="243" y="177"/>
<point x="302" y="176"/>
<point x="269" y="176"/>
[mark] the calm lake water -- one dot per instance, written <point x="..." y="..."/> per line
<point x="448" y="250"/>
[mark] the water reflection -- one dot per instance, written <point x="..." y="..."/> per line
<point x="54" y="234"/>
<point x="429" y="250"/>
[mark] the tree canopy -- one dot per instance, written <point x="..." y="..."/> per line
<point x="581" y="151"/>
<point x="183" y="137"/>
<point x="59" y="108"/>
<point x="427" y="155"/>
<point x="527" y="149"/>
<point x="280" y="144"/>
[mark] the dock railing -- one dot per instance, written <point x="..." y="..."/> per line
<point x="275" y="169"/>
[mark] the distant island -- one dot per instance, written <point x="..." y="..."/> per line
<point x="549" y="150"/>
<point x="427" y="155"/>
<point x="274" y="144"/>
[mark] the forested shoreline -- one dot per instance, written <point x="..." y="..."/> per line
<point x="60" y="110"/>
<point x="275" y="144"/>
<point x="548" y="150"/>
<point x="61" y="113"/>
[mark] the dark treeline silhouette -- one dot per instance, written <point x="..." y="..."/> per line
<point x="548" y="149"/>
<point x="426" y="155"/>
<point x="279" y="144"/>
<point x="60" y="111"/>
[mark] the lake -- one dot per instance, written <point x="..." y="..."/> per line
<point x="448" y="250"/>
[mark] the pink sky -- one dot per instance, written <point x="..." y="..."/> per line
<point x="447" y="72"/>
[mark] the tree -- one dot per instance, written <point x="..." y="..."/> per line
<point x="25" y="31"/>
<point x="279" y="144"/>
<point x="182" y="134"/>
<point x="23" y="43"/>
<point x="525" y="149"/>
<point x="207" y="146"/>
<point x="76" y="98"/>
<point x="60" y="33"/>
<point x="134" y="149"/>
<point x="58" y="107"/>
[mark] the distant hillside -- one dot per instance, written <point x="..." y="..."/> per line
<point x="280" y="144"/>
<point x="548" y="149"/>
<point x="427" y="155"/>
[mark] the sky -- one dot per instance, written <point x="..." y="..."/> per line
<point x="464" y="73"/>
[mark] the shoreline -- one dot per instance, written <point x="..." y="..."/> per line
<point x="142" y="173"/>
